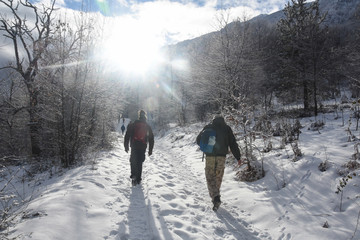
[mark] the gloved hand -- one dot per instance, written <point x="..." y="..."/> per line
<point x="150" y="152"/>
<point x="239" y="162"/>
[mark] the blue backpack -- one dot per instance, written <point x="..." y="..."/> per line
<point x="207" y="140"/>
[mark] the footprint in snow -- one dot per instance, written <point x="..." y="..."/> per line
<point x="171" y="212"/>
<point x="168" y="196"/>
<point x="98" y="184"/>
<point x="77" y="186"/>
<point x="182" y="234"/>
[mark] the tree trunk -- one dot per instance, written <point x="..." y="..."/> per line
<point x="315" y="91"/>
<point x="62" y="125"/>
<point x="306" y="92"/>
<point x="34" y="120"/>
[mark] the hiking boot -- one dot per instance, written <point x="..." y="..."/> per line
<point x="134" y="181"/>
<point x="217" y="203"/>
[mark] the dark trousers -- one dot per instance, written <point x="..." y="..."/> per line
<point x="137" y="158"/>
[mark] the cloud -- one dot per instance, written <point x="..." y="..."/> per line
<point x="173" y="21"/>
<point x="58" y="3"/>
<point x="164" y="18"/>
<point x="123" y="3"/>
<point x="177" y="21"/>
<point x="262" y="6"/>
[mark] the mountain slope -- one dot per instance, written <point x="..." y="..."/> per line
<point x="339" y="12"/>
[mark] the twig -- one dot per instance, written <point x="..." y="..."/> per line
<point x="357" y="224"/>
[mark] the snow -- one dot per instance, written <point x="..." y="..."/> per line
<point x="293" y="201"/>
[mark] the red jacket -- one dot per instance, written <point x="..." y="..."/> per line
<point x="130" y="135"/>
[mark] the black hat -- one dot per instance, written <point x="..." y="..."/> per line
<point x="142" y="114"/>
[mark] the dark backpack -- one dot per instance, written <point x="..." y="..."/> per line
<point x="140" y="132"/>
<point x="207" y="140"/>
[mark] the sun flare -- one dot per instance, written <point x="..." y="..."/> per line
<point x="132" y="49"/>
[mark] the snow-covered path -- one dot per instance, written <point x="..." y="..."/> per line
<point x="294" y="201"/>
<point x="179" y="199"/>
<point x="98" y="202"/>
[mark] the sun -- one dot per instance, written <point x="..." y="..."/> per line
<point x="132" y="48"/>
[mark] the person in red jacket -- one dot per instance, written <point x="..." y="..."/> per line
<point x="215" y="161"/>
<point x="138" y="134"/>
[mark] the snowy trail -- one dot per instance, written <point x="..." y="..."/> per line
<point x="173" y="203"/>
<point x="186" y="202"/>
<point x="98" y="202"/>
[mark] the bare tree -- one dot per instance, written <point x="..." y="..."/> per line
<point x="29" y="42"/>
<point x="12" y="111"/>
<point x="225" y="66"/>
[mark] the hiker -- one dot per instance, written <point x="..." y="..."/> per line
<point x="215" y="161"/>
<point x="122" y="129"/>
<point x="138" y="133"/>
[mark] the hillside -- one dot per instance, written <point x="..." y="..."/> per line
<point x="344" y="13"/>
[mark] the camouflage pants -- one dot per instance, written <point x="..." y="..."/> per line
<point x="214" y="172"/>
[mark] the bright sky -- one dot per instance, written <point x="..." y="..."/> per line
<point x="175" y="20"/>
<point x="137" y="29"/>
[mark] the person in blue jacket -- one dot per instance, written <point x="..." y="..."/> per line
<point x="215" y="161"/>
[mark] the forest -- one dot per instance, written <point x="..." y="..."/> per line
<point x="59" y="101"/>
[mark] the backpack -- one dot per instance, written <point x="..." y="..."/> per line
<point x="140" y="132"/>
<point x="207" y="140"/>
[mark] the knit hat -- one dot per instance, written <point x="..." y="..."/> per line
<point x="142" y="115"/>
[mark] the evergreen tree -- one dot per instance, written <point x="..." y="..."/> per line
<point x="302" y="39"/>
